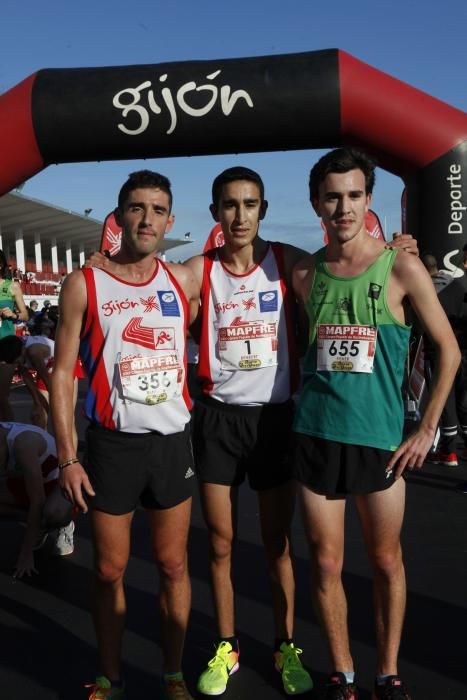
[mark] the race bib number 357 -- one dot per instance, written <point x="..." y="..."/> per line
<point x="344" y="348"/>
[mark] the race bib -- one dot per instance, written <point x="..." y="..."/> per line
<point x="346" y="348"/>
<point x="152" y="379"/>
<point x="248" y="345"/>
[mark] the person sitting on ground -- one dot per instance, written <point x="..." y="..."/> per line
<point x="29" y="491"/>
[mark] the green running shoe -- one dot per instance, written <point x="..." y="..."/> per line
<point x="174" y="688"/>
<point x="102" y="689"/>
<point x="213" y="681"/>
<point x="295" y="678"/>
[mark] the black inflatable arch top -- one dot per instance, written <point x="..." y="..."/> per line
<point x="309" y="100"/>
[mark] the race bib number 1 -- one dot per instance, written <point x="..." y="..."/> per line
<point x="248" y="346"/>
<point x="151" y="380"/>
<point x="346" y="348"/>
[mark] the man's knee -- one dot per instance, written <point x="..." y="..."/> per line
<point x="327" y="563"/>
<point x="172" y="566"/>
<point x="387" y="561"/>
<point x="276" y="544"/>
<point x="110" y="570"/>
<point x="221" y="543"/>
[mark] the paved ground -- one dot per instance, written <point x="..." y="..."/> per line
<point x="48" y="649"/>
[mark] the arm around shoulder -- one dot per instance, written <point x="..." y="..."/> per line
<point x="187" y="278"/>
<point x="302" y="277"/>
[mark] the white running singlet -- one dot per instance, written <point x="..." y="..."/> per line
<point x="247" y="349"/>
<point x="133" y="349"/>
<point x="47" y="460"/>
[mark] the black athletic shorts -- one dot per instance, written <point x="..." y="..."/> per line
<point x="130" y="469"/>
<point x="232" y="441"/>
<point x="336" y="468"/>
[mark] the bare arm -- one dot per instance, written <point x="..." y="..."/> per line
<point x="302" y="277"/>
<point x="189" y="281"/>
<point x="196" y="266"/>
<point x="73" y="303"/>
<point x="412" y="278"/>
<point x="38" y="355"/>
<point x="19" y="301"/>
<point x="27" y="449"/>
<point x="38" y="399"/>
<point x="295" y="259"/>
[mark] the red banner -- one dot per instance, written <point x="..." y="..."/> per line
<point x="215" y="239"/>
<point x="111" y="236"/>
<point x="372" y="223"/>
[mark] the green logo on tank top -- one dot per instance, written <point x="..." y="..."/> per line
<point x="321" y="288"/>
<point x="344" y="304"/>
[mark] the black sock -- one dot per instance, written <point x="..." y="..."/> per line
<point x="278" y="642"/>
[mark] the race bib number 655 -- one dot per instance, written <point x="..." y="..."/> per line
<point x="344" y="348"/>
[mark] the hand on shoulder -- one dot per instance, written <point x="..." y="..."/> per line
<point x="98" y="259"/>
<point x="405" y="242"/>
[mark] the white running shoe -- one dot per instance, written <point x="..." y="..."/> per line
<point x="63" y="544"/>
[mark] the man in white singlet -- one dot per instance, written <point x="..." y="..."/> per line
<point x="29" y="491"/>
<point x="130" y="332"/>
<point x="248" y="369"/>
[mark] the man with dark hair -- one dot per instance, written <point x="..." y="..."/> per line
<point x="248" y="368"/>
<point x="350" y="415"/>
<point x="144" y="179"/>
<point x="130" y="332"/>
<point x="342" y="160"/>
<point x="235" y="174"/>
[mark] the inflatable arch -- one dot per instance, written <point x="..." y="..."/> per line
<point x="309" y="100"/>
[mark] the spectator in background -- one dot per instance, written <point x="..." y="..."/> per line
<point x="33" y="311"/>
<point x="12" y="308"/>
<point x="452" y="294"/>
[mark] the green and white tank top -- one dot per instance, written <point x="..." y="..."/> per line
<point x="354" y="366"/>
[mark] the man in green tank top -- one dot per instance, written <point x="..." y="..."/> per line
<point x="348" y="426"/>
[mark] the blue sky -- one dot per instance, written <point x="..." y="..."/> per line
<point x="421" y="43"/>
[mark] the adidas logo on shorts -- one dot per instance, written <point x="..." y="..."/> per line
<point x="189" y="473"/>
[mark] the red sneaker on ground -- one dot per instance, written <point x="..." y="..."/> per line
<point x="448" y="459"/>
